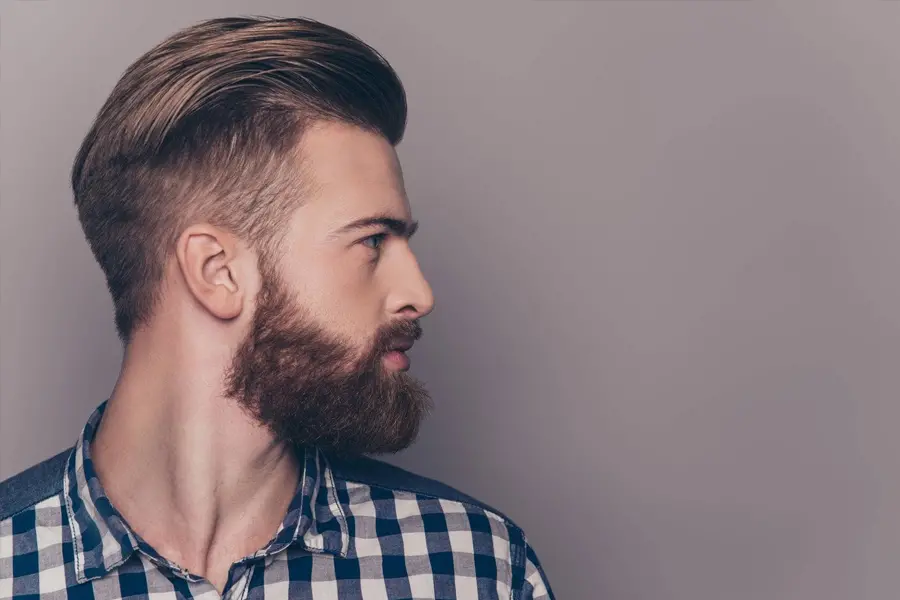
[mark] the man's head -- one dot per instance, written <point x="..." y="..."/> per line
<point x="225" y="179"/>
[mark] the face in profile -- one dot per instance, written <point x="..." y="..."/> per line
<point x="316" y="366"/>
<point x="312" y="388"/>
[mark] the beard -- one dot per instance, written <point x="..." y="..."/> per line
<point x="313" y="388"/>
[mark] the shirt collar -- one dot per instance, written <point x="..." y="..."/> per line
<point x="103" y="540"/>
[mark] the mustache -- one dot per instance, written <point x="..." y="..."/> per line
<point x="404" y="329"/>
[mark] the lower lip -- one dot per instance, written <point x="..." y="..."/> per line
<point x="397" y="360"/>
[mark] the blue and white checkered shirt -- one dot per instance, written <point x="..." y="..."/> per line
<point x="355" y="529"/>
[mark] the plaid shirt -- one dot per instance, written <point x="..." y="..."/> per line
<point x="355" y="529"/>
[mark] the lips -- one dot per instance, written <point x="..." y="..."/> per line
<point x="396" y="359"/>
<point x="402" y="346"/>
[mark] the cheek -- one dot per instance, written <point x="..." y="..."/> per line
<point x="349" y="311"/>
<point x="341" y="294"/>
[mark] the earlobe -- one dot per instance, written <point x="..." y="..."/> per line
<point x="206" y="257"/>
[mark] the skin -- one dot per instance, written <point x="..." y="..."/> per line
<point x="197" y="447"/>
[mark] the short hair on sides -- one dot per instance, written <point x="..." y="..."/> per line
<point x="207" y="125"/>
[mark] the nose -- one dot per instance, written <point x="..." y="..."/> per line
<point x="411" y="293"/>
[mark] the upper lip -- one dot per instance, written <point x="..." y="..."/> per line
<point x="402" y="345"/>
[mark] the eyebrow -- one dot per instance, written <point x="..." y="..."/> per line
<point x="396" y="226"/>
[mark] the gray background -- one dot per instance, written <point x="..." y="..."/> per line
<point x="663" y="242"/>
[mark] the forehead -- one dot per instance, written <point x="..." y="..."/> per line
<point x="354" y="174"/>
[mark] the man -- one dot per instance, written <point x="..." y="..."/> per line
<point x="241" y="191"/>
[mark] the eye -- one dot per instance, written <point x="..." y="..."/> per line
<point x="378" y="237"/>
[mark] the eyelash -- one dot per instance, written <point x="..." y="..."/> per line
<point x="379" y="236"/>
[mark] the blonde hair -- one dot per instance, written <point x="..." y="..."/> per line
<point x="207" y="125"/>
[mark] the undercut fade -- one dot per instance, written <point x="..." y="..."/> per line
<point x="207" y="126"/>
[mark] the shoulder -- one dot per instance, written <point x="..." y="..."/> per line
<point x="32" y="485"/>
<point x="385" y="501"/>
<point x="379" y="474"/>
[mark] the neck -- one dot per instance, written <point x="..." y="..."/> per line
<point x="189" y="470"/>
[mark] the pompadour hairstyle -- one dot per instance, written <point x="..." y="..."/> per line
<point x="207" y="126"/>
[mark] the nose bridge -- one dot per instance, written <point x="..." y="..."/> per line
<point x="408" y="286"/>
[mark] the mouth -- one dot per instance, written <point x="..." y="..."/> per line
<point x="402" y="344"/>
<point x="395" y="355"/>
<point x="397" y="360"/>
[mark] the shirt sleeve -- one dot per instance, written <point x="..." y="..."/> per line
<point x="536" y="585"/>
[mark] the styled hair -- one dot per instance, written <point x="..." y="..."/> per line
<point x="208" y="126"/>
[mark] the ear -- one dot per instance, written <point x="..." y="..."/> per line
<point x="208" y="259"/>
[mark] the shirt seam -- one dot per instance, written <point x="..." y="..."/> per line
<point x="506" y="520"/>
<point x="342" y="518"/>
<point x="75" y="532"/>
<point x="31" y="506"/>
